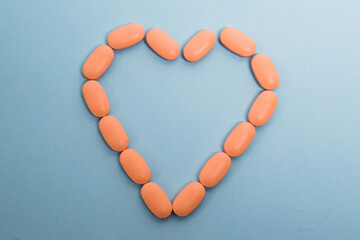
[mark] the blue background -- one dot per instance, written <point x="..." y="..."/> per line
<point x="299" y="179"/>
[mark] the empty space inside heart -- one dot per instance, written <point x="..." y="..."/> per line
<point x="178" y="114"/>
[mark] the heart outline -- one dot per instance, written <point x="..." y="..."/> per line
<point x="126" y="146"/>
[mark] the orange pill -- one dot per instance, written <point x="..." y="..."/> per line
<point x="265" y="71"/>
<point x="161" y="43"/>
<point x="156" y="200"/>
<point x="135" y="166"/>
<point x="96" y="99"/>
<point x="126" y="36"/>
<point x="199" y="45"/>
<point x="263" y="107"/>
<point x="215" y="169"/>
<point x="98" y="62"/>
<point x="239" y="139"/>
<point x="113" y="133"/>
<point x="237" y="42"/>
<point x="188" y="199"/>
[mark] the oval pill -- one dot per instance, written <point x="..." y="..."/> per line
<point x="126" y="36"/>
<point x="263" y="107"/>
<point x="199" y="45"/>
<point x="113" y="133"/>
<point x="215" y="169"/>
<point x="98" y="62"/>
<point x="239" y="139"/>
<point x="135" y="166"/>
<point x="188" y="199"/>
<point x="156" y="200"/>
<point x="96" y="99"/>
<point x="237" y="42"/>
<point x="162" y="44"/>
<point x="265" y="71"/>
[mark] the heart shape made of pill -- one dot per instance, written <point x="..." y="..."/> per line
<point x="166" y="47"/>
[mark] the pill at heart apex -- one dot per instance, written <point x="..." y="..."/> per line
<point x="196" y="49"/>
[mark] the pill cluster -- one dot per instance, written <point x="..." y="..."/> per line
<point x="166" y="47"/>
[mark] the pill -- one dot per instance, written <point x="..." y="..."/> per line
<point x="156" y="200"/>
<point x="237" y="42"/>
<point x="239" y="139"/>
<point x="113" y="133"/>
<point x="96" y="99"/>
<point x="215" y="169"/>
<point x="135" y="166"/>
<point x="162" y="44"/>
<point x="199" y="45"/>
<point x="265" y="71"/>
<point x="98" y="62"/>
<point x="262" y="108"/>
<point x="126" y="36"/>
<point x="188" y="199"/>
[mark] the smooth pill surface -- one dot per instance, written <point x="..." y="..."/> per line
<point x="113" y="133"/>
<point x="199" y="45"/>
<point x="239" y="139"/>
<point x="237" y="42"/>
<point x="263" y="107"/>
<point x="126" y="36"/>
<point x="98" y="62"/>
<point x="265" y="71"/>
<point x="161" y="43"/>
<point x="188" y="199"/>
<point x="156" y="200"/>
<point x="96" y="99"/>
<point x="135" y="166"/>
<point x="215" y="169"/>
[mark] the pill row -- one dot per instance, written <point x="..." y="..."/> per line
<point x="166" y="47"/>
<point x="237" y="141"/>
